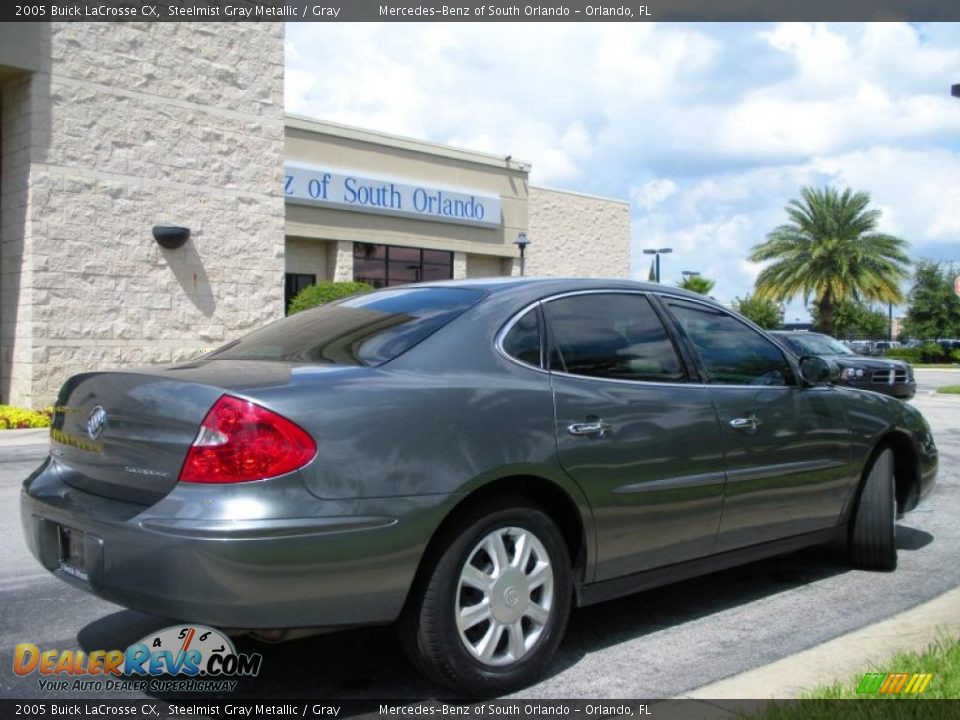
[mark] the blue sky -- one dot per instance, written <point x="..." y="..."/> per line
<point x="708" y="129"/>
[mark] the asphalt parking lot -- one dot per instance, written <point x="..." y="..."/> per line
<point x="657" y="644"/>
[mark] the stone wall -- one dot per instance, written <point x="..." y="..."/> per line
<point x="132" y="125"/>
<point x="577" y="235"/>
<point x="19" y="106"/>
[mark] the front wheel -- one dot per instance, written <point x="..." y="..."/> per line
<point x="493" y="602"/>
<point x="873" y="526"/>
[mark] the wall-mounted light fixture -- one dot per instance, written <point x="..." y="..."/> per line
<point x="521" y="242"/>
<point x="171" y="236"/>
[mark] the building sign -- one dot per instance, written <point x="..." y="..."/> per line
<point x="313" y="185"/>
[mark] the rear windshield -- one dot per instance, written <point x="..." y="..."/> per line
<point x="368" y="329"/>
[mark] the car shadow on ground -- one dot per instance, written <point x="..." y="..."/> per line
<point x="368" y="663"/>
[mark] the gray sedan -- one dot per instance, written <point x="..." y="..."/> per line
<point x="470" y="460"/>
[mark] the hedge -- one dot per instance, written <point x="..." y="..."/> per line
<point x="929" y="353"/>
<point x="325" y="292"/>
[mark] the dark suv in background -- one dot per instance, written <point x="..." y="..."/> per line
<point x="882" y="375"/>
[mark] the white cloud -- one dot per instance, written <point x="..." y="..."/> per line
<point x="652" y="193"/>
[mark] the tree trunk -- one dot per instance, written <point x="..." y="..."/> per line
<point x="825" y="309"/>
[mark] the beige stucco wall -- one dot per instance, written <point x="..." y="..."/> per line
<point x="577" y="235"/>
<point x="131" y="125"/>
<point x="304" y="255"/>
<point x="481" y="266"/>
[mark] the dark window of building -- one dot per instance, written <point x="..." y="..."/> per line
<point x="732" y="353"/>
<point x="611" y="335"/>
<point x="294" y="283"/>
<point x="523" y="339"/>
<point x="389" y="265"/>
<point x="366" y="329"/>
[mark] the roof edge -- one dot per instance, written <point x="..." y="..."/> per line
<point x="605" y="198"/>
<point x="376" y="137"/>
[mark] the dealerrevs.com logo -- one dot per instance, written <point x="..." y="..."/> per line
<point x="181" y="658"/>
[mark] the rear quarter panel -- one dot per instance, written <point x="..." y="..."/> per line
<point x="446" y="417"/>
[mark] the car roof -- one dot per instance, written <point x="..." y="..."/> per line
<point x="546" y="285"/>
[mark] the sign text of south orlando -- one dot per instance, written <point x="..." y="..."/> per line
<point x="312" y="185"/>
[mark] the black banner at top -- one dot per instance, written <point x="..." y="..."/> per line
<point x="475" y="11"/>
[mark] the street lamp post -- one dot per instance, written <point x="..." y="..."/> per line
<point x="521" y="242"/>
<point x="658" y="252"/>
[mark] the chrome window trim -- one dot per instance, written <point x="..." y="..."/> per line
<point x="502" y="333"/>
<point x="507" y="327"/>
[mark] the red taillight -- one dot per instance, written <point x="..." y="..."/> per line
<point x="240" y="441"/>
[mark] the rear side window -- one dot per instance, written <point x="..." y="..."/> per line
<point x="610" y="335"/>
<point x="522" y="341"/>
<point x="368" y="329"/>
<point x="732" y="353"/>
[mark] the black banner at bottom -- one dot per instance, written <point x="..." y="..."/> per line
<point x="681" y="709"/>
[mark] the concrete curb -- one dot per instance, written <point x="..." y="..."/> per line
<point x="840" y="658"/>
<point x="29" y="436"/>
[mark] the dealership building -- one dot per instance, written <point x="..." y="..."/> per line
<point x="111" y="129"/>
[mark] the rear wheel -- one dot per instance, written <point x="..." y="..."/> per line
<point x="872" y="541"/>
<point x="493" y="602"/>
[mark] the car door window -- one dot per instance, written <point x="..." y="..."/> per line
<point x="610" y="335"/>
<point x="522" y="341"/>
<point x="732" y="352"/>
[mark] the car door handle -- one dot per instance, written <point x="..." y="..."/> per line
<point x="748" y="423"/>
<point x="592" y="428"/>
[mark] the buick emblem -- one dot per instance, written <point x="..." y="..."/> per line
<point x="96" y="421"/>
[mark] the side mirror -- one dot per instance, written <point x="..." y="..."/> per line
<point x="814" y="370"/>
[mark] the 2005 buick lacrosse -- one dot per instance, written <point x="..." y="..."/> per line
<point x="470" y="460"/>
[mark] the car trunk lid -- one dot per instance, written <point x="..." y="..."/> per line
<point x="125" y="435"/>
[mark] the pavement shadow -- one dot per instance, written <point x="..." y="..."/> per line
<point x="369" y="663"/>
<point x="909" y="538"/>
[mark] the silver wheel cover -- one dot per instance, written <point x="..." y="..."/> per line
<point x="504" y="596"/>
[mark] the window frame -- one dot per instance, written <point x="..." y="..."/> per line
<point x="664" y="300"/>
<point x="508" y="326"/>
<point x="286" y="278"/>
<point x="546" y="342"/>
<point x="386" y="262"/>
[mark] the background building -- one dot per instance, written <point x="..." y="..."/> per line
<point x="108" y="129"/>
<point x="388" y="210"/>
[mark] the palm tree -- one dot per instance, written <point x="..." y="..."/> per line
<point x="830" y="250"/>
<point x="697" y="284"/>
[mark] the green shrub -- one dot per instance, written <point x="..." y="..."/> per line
<point x="933" y="353"/>
<point x="12" y="418"/>
<point x="929" y="353"/>
<point x="325" y="292"/>
<point x="911" y="355"/>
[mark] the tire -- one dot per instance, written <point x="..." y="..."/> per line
<point x="463" y="655"/>
<point x="872" y="540"/>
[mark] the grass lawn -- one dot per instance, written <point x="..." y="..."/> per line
<point x="949" y="390"/>
<point x="941" y="659"/>
<point x="935" y="366"/>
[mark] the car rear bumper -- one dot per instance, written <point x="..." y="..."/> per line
<point x="338" y="563"/>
